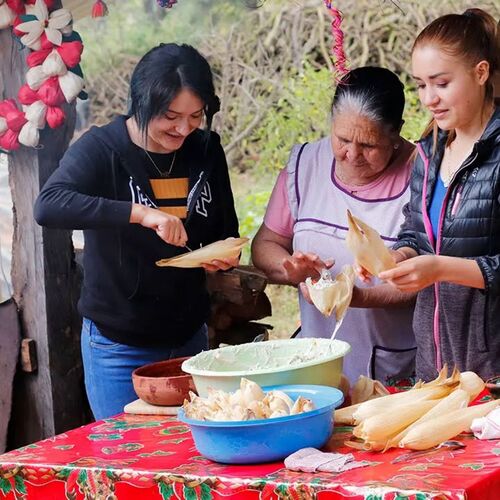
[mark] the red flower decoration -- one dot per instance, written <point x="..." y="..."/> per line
<point x="71" y="53"/>
<point x="16" y="5"/>
<point x="50" y="92"/>
<point x="55" y="116"/>
<point x="8" y="141"/>
<point x="13" y="116"/>
<point x="27" y="95"/>
<point x="37" y="57"/>
<point x="99" y="9"/>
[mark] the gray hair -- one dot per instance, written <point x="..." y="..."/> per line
<point x="372" y="92"/>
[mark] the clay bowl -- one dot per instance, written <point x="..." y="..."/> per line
<point x="493" y="385"/>
<point x="163" y="383"/>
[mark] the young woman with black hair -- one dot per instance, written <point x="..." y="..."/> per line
<point x="142" y="188"/>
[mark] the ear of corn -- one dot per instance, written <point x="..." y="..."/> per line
<point x="434" y="431"/>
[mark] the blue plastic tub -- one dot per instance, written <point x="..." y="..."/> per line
<point x="268" y="440"/>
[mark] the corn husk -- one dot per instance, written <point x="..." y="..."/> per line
<point x="329" y="295"/>
<point x="345" y="416"/>
<point x="54" y="65"/>
<point x="366" y="388"/>
<point x="382" y="426"/>
<point x="441" y="378"/>
<point x="7" y="16"/>
<point x="35" y="77"/>
<point x="71" y="85"/>
<point x="344" y="385"/>
<point x="394" y="401"/>
<point x="366" y="446"/>
<point x="471" y="383"/>
<point x="432" y="432"/>
<point x="454" y="401"/>
<point x="223" y="249"/>
<point x="367" y="246"/>
<point x="29" y="135"/>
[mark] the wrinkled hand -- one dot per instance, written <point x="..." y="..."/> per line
<point x="168" y="227"/>
<point x="414" y="274"/>
<point x="221" y="264"/>
<point x="299" y="266"/>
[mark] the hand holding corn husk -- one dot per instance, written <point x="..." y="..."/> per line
<point x="420" y="418"/>
<point x="229" y="248"/>
<point x="367" y="247"/>
<point x="328" y="294"/>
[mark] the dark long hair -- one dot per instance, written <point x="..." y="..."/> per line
<point x="161" y="74"/>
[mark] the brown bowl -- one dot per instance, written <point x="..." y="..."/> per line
<point x="163" y="383"/>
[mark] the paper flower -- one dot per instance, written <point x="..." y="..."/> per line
<point x="7" y="15"/>
<point x="70" y="53"/>
<point x="99" y="9"/>
<point x="40" y="22"/>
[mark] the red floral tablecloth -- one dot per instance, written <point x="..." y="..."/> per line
<point x="139" y="457"/>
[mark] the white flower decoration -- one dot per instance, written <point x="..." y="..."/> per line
<point x="52" y="25"/>
<point x="7" y="15"/>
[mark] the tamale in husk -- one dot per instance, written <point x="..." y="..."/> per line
<point x="223" y="249"/>
<point x="367" y="246"/>
<point x="329" y="295"/>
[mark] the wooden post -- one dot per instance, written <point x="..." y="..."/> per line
<point x="45" y="279"/>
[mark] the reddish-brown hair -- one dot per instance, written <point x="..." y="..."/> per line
<point x="473" y="36"/>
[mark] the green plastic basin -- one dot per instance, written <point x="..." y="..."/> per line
<point x="275" y="362"/>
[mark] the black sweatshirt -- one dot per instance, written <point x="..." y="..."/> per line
<point x="131" y="299"/>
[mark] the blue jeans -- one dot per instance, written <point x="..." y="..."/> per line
<point x="108" y="366"/>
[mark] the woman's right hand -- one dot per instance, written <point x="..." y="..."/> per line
<point x="299" y="266"/>
<point x="168" y="227"/>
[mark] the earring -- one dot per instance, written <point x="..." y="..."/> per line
<point x="396" y="146"/>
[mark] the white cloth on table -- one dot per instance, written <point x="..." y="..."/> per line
<point x="487" y="427"/>
<point x="313" y="460"/>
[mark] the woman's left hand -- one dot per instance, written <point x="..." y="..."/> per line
<point x="221" y="264"/>
<point x="413" y="275"/>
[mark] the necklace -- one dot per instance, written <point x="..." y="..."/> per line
<point x="166" y="174"/>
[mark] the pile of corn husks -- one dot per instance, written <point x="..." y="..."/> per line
<point x="419" y="418"/>
<point x="249" y="402"/>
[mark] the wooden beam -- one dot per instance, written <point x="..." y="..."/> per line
<point x="10" y="339"/>
<point x="45" y="281"/>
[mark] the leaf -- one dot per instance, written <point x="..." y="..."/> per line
<point x="206" y="492"/>
<point x="19" y="485"/>
<point x="190" y="493"/>
<point x="5" y="486"/>
<point x="166" y="490"/>
<point x="64" y="473"/>
<point x="472" y="466"/>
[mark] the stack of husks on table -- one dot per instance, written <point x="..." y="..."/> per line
<point x="420" y="418"/>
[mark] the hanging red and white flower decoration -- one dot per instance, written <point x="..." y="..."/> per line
<point x="54" y="76"/>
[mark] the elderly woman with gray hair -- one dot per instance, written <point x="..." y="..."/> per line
<point x="364" y="166"/>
